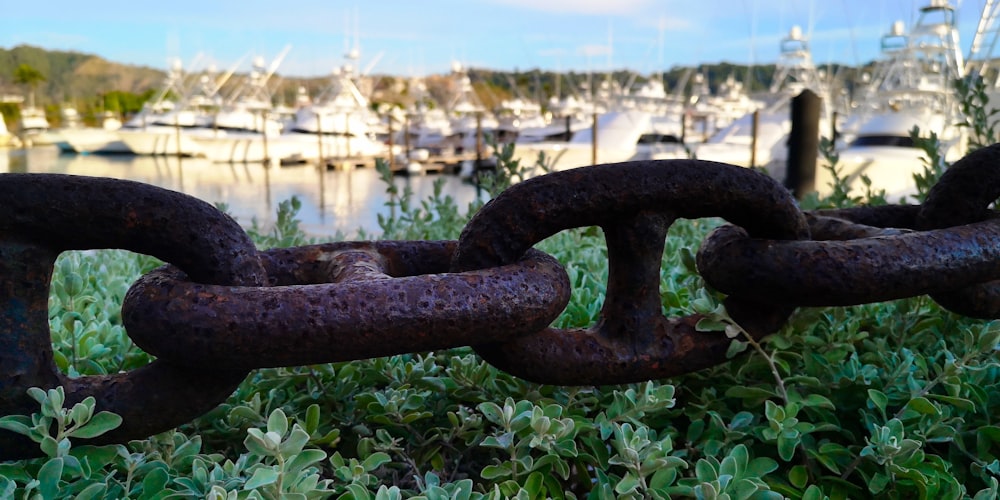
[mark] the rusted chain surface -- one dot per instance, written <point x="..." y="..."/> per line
<point x="948" y="247"/>
<point x="221" y="308"/>
<point x="634" y="203"/>
<point x="344" y="301"/>
<point x="962" y="195"/>
<point x="43" y="215"/>
<point x="851" y="271"/>
<point x="603" y="195"/>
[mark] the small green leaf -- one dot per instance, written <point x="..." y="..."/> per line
<point x="375" y="461"/>
<point x="304" y="459"/>
<point x="49" y="446"/>
<point x="261" y="477"/>
<point x="491" y="472"/>
<point x="736" y="347"/>
<point x="798" y="476"/>
<point x="534" y="484"/>
<point x="786" y="447"/>
<point x="155" y="481"/>
<point x="818" y="401"/>
<point x="878" y="483"/>
<point x="16" y="423"/>
<point x="95" y="490"/>
<point x="492" y="412"/>
<point x="960" y="403"/>
<point x="295" y="441"/>
<point x="707" y="324"/>
<point x="879" y="399"/>
<point x="628" y="484"/>
<point x="760" y="467"/>
<point x="312" y="419"/>
<point x="813" y="493"/>
<point x="356" y="492"/>
<point x="98" y="424"/>
<point x="923" y="406"/>
<point x="277" y="422"/>
<point x="49" y="477"/>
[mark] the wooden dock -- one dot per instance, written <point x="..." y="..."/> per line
<point x="449" y="163"/>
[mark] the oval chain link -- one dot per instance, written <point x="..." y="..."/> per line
<point x="343" y="301"/>
<point x="634" y="203"/>
<point x="43" y="215"/>
<point x="948" y="247"/>
<point x="221" y="308"/>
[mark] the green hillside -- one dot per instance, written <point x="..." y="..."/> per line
<point x="92" y="84"/>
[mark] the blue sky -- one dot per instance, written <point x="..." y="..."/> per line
<point x="417" y="37"/>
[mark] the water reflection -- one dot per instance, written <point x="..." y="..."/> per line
<point x="332" y="201"/>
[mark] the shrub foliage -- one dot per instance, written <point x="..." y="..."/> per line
<point x="893" y="400"/>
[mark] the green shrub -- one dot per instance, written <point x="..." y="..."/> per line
<point x="893" y="400"/>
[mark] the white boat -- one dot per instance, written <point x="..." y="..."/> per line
<point x="621" y="136"/>
<point x="451" y="127"/>
<point x="247" y="126"/>
<point x="708" y="112"/>
<point x="163" y="134"/>
<point x="736" y="143"/>
<point x="93" y="140"/>
<point x="912" y="88"/>
<point x="557" y="130"/>
<point x="337" y="125"/>
<point x="516" y="116"/>
<point x="6" y="138"/>
<point x="159" y="129"/>
<point x="33" y="127"/>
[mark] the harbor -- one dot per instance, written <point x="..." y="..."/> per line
<point x="500" y="249"/>
<point x="455" y="123"/>
<point x="334" y="203"/>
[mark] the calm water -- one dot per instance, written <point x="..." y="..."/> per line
<point x="332" y="201"/>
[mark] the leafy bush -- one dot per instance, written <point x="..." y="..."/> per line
<point x="892" y="400"/>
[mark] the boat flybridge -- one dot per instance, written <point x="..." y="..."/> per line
<point x="795" y="72"/>
<point x="912" y="87"/>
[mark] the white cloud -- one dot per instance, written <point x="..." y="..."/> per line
<point x="593" y="50"/>
<point x="581" y="6"/>
<point x="555" y="52"/>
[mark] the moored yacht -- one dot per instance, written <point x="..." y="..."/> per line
<point x="94" y="140"/>
<point x="741" y="143"/>
<point x="912" y="89"/>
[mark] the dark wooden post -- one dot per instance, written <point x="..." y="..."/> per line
<point x="803" y="144"/>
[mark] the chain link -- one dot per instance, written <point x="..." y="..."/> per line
<point x="221" y="308"/>
<point x="634" y="203"/>
<point x="44" y="215"/>
<point x="340" y="302"/>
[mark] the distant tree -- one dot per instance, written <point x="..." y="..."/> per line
<point x="27" y="75"/>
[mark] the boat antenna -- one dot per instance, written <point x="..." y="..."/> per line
<point x="753" y="38"/>
<point x="661" y="29"/>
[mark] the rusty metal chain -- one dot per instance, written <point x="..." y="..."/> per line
<point x="947" y="247"/>
<point x="44" y="215"/>
<point x="220" y="308"/>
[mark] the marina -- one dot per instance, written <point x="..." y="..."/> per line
<point x="742" y="249"/>
<point x="333" y="201"/>
<point x="231" y="136"/>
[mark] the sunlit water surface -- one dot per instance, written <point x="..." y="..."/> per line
<point x="333" y="201"/>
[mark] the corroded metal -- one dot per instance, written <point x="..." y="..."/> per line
<point x="850" y="271"/>
<point x="220" y="308"/>
<point x="947" y="247"/>
<point x="344" y="301"/>
<point x="634" y="203"/>
<point x="42" y="215"/>
<point x="964" y="194"/>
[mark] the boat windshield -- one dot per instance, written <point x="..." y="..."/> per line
<point x="659" y="139"/>
<point x="898" y="141"/>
